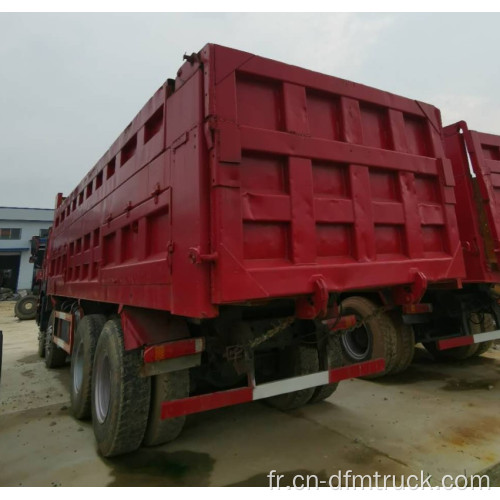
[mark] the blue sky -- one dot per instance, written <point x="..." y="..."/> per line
<point x="71" y="82"/>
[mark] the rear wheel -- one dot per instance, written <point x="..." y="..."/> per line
<point x="405" y="344"/>
<point x="477" y="324"/>
<point x="483" y="347"/>
<point x="25" y="307"/>
<point x="55" y="357"/>
<point x="41" y="343"/>
<point x="165" y="387"/>
<point x="376" y="338"/>
<point x="296" y="360"/>
<point x="120" y="397"/>
<point x="333" y="360"/>
<point x="86" y="335"/>
<point x="480" y="324"/>
<point x="453" y="354"/>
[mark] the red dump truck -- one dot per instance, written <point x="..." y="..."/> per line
<point x="469" y="318"/>
<point x="462" y="321"/>
<point x="258" y="231"/>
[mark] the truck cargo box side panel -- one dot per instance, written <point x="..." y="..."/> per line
<point x="124" y="234"/>
<point x="318" y="176"/>
<point x="476" y="163"/>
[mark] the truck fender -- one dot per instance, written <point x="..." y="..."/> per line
<point x="146" y="327"/>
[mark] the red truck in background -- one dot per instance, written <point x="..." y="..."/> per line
<point x="258" y="231"/>
<point x="473" y="310"/>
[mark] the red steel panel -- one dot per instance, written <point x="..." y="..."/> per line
<point x="255" y="179"/>
<point x="475" y="158"/>
<point x="205" y="402"/>
<point x="356" y="370"/>
<point x="115" y="239"/>
<point x="325" y="177"/>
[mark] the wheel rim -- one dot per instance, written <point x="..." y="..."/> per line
<point x="102" y="394"/>
<point x="78" y="369"/>
<point x="357" y="343"/>
<point x="28" y="306"/>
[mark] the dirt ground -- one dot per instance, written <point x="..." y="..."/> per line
<point x="441" y="419"/>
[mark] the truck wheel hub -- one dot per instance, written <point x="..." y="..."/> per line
<point x="357" y="343"/>
<point x="102" y="388"/>
<point x="78" y="369"/>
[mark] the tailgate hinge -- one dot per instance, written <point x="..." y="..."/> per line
<point x="196" y="257"/>
<point x="411" y="293"/>
<point x="209" y="128"/>
<point x="316" y="305"/>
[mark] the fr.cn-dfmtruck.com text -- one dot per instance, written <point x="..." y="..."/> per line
<point x="349" y="480"/>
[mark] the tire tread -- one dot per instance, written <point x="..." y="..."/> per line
<point x="131" y="416"/>
<point x="90" y="326"/>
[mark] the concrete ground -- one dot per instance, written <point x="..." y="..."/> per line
<point x="437" y="418"/>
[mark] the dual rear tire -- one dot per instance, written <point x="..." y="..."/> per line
<point x="119" y="396"/>
<point x="306" y="359"/>
<point x="165" y="387"/>
<point x="377" y="337"/>
<point x="332" y="358"/>
<point x="478" y="323"/>
<point x="405" y="344"/>
<point x="55" y="357"/>
<point x="42" y="338"/>
<point x="295" y="361"/>
<point x="382" y="335"/>
<point x="386" y="336"/>
<point x="107" y="385"/>
<point x="86" y="336"/>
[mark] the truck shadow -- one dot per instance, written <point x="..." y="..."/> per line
<point x="481" y="373"/>
<point x="157" y="467"/>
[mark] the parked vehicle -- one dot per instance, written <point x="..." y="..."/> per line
<point x="26" y="306"/>
<point x="464" y="323"/>
<point x="258" y="231"/>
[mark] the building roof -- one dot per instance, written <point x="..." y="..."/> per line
<point x="27" y="214"/>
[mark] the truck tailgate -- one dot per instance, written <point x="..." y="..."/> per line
<point x="478" y="197"/>
<point x="318" y="177"/>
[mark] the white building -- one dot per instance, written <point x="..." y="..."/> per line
<point x="17" y="227"/>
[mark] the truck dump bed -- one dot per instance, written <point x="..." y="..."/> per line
<point x="251" y="179"/>
<point x="476" y="164"/>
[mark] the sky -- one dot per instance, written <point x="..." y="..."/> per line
<point x="70" y="83"/>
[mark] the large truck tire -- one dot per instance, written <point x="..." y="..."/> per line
<point x="297" y="360"/>
<point x="120" y="397"/>
<point x="477" y="325"/>
<point x="486" y="323"/>
<point x="42" y="338"/>
<point x="334" y="359"/>
<point x="25" y="307"/>
<point x="376" y="339"/>
<point x="482" y="348"/>
<point x="82" y="358"/>
<point x="165" y="387"/>
<point x="405" y="344"/>
<point x="454" y="354"/>
<point x="55" y="357"/>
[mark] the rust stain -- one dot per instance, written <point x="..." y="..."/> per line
<point x="475" y="433"/>
<point x="490" y="457"/>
